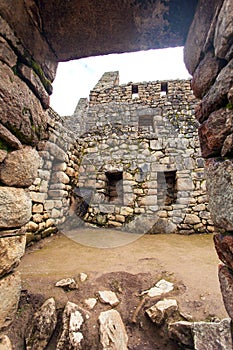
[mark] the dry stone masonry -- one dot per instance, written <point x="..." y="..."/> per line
<point x="138" y="157"/>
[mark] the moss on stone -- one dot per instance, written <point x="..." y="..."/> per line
<point x="38" y="70"/>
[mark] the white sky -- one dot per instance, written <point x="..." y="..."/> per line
<point x="75" y="79"/>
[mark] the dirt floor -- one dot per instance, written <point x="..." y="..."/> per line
<point x="130" y="267"/>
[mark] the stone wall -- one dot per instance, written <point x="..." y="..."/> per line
<point x="209" y="58"/>
<point x="140" y="156"/>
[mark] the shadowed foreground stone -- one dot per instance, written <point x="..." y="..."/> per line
<point x="226" y="284"/>
<point x="181" y="332"/>
<point x="113" y="335"/>
<point x="11" y="251"/>
<point x="224" y="248"/>
<point x="212" y="336"/>
<point x="42" y="326"/>
<point x="10" y="288"/>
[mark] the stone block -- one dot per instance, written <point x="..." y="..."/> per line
<point x="224" y="30"/>
<point x="11" y="251"/>
<point x="9" y="138"/>
<point x="60" y="177"/>
<point x="191" y="219"/>
<point x="21" y="111"/>
<point x="20" y="167"/>
<point x="184" y="184"/>
<point x="15" y="207"/>
<point x="181" y="332"/>
<point x="10" y="288"/>
<point x="219" y="187"/>
<point x="54" y="150"/>
<point x="214" y="130"/>
<point x="159" y="312"/>
<point x="226" y="284"/>
<point x="38" y="197"/>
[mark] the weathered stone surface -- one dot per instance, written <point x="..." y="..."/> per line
<point x="60" y="177"/>
<point x="212" y="335"/>
<point x="181" y="332"/>
<point x="159" y="312"/>
<point x="113" y="335"/>
<point x="15" y="207"/>
<point x="227" y="147"/>
<point x="9" y="138"/>
<point x="5" y="343"/>
<point x="191" y="219"/>
<point x="34" y="82"/>
<point x="219" y="186"/>
<point x="20" y="167"/>
<point x="10" y="288"/>
<point x="198" y="31"/>
<point x="42" y="326"/>
<point x="11" y="251"/>
<point x="90" y="302"/>
<point x="141" y="224"/>
<point x="224" y="30"/>
<point x="3" y="155"/>
<point x="72" y="320"/>
<point x="163" y="226"/>
<point x="67" y="283"/>
<point x="20" y="110"/>
<point x="224" y="248"/>
<point x="214" y="131"/>
<point x="226" y="284"/>
<point x="205" y="74"/>
<point x="7" y="55"/>
<point x="185" y="184"/>
<point x="54" y="150"/>
<point x="217" y="94"/>
<point x="108" y="297"/>
<point x="160" y="288"/>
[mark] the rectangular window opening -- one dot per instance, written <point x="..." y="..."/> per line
<point x="135" y="91"/>
<point x="114" y="184"/>
<point x="146" y="123"/>
<point x="167" y="187"/>
<point x="164" y="88"/>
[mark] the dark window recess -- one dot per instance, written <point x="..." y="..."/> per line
<point x="167" y="188"/>
<point x="135" y="91"/>
<point x="114" y="190"/>
<point x="164" y="88"/>
<point x="146" y="123"/>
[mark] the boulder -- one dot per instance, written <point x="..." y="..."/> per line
<point x="11" y="251"/>
<point x="72" y="320"/>
<point x="224" y="248"/>
<point x="9" y="138"/>
<point x="226" y="284"/>
<point x="15" y="207"/>
<point x="10" y="287"/>
<point x="113" y="335"/>
<point x="42" y="326"/>
<point x="224" y="30"/>
<point x="212" y="335"/>
<point x="20" y="167"/>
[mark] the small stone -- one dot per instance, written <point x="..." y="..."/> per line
<point x="42" y="326"/>
<point x="90" y="302"/>
<point x="83" y="276"/>
<point x="159" y="312"/>
<point x="161" y="287"/>
<point x="108" y="297"/>
<point x="113" y="335"/>
<point x="67" y="283"/>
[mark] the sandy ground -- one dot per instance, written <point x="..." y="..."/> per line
<point x="128" y="268"/>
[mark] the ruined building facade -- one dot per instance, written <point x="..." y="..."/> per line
<point x="139" y="161"/>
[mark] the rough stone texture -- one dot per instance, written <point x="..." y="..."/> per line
<point x="10" y="288"/>
<point x="205" y="74"/>
<point x="212" y="336"/>
<point x="159" y="312"/>
<point x="113" y="335"/>
<point x="7" y="55"/>
<point x="214" y="131"/>
<point x="11" y="251"/>
<point x="226" y="283"/>
<point x="217" y="94"/>
<point x="219" y="186"/>
<point x="72" y="320"/>
<point x="20" y="167"/>
<point x="5" y="343"/>
<point x="224" y="248"/>
<point x="9" y="138"/>
<point x="20" y="110"/>
<point x="222" y="42"/>
<point x="15" y="207"/>
<point x="198" y="33"/>
<point x="181" y="332"/>
<point x="108" y="297"/>
<point x="227" y="147"/>
<point x="42" y="326"/>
